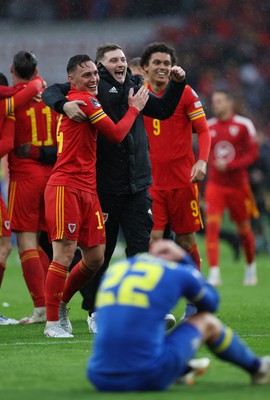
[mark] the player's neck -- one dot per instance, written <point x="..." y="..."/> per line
<point x="17" y="79"/>
<point x="225" y="116"/>
<point x="157" y="86"/>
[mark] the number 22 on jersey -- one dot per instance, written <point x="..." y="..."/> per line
<point x="129" y="285"/>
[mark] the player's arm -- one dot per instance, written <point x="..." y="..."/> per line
<point x="193" y="285"/>
<point x="7" y="135"/>
<point x="24" y="95"/>
<point x="117" y="132"/>
<point x="163" y="107"/>
<point x="43" y="154"/>
<point x="198" y="170"/>
<point x="55" y="96"/>
<point x="197" y="290"/>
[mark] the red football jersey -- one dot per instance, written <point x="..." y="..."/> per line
<point x="76" y="160"/>
<point x="171" y="152"/>
<point x="234" y="142"/>
<point x="20" y="95"/>
<point x="35" y="123"/>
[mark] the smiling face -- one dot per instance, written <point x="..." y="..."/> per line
<point x="158" y="68"/>
<point x="85" y="77"/>
<point x="116" y="63"/>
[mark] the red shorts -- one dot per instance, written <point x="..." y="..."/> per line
<point x="239" y="201"/>
<point x="26" y="204"/>
<point x="178" y="207"/>
<point x="4" y="219"/>
<point x="74" y="213"/>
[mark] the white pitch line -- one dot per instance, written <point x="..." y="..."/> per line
<point x="46" y="343"/>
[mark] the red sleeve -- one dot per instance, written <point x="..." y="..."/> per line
<point x="7" y="91"/>
<point x="117" y="132"/>
<point x="23" y="96"/>
<point x="204" y="138"/>
<point x="7" y="136"/>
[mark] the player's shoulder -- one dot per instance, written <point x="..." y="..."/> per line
<point x="245" y="122"/>
<point x="87" y="97"/>
<point x="189" y="91"/>
<point x="212" y="121"/>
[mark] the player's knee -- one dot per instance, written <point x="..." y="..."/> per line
<point x="186" y="241"/>
<point x="214" y="327"/>
<point x="209" y="326"/>
<point x="95" y="262"/>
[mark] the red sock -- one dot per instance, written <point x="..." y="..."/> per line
<point x="248" y="243"/>
<point x="77" y="278"/>
<point x="2" y="271"/>
<point x="212" y="242"/>
<point x="33" y="276"/>
<point x="195" y="255"/>
<point x="45" y="261"/>
<point x="54" y="286"/>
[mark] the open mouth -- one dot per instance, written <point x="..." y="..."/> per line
<point x="119" y="74"/>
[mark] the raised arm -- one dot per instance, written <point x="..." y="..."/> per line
<point x="163" y="107"/>
<point x="24" y="95"/>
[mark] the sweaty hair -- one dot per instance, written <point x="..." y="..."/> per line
<point x="24" y="63"/>
<point x="74" y="61"/>
<point x="104" y="48"/>
<point x="157" y="47"/>
<point x="3" y="79"/>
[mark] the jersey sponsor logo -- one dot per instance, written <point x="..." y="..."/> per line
<point x="7" y="225"/>
<point x="234" y="130"/>
<point x="113" y="90"/>
<point x="194" y="93"/>
<point x="72" y="227"/>
<point x="95" y="103"/>
<point x="197" y="104"/>
<point x="224" y="151"/>
<point x="105" y="217"/>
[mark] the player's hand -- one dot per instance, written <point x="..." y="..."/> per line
<point x="177" y="74"/>
<point x="139" y="99"/>
<point x="27" y="150"/>
<point x="74" y="112"/>
<point x="220" y="165"/>
<point x="167" y="249"/>
<point x="198" y="171"/>
<point x="38" y="78"/>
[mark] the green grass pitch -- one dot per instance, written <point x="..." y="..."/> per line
<point x="33" y="367"/>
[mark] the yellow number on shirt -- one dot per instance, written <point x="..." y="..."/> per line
<point x="32" y="114"/>
<point x="132" y="289"/>
<point x="156" y="127"/>
<point x="59" y="135"/>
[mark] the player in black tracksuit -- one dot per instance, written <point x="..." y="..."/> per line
<point x="123" y="170"/>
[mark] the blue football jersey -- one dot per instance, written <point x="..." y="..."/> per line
<point x="132" y="301"/>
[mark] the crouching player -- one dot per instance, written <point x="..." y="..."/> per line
<point x="129" y="355"/>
